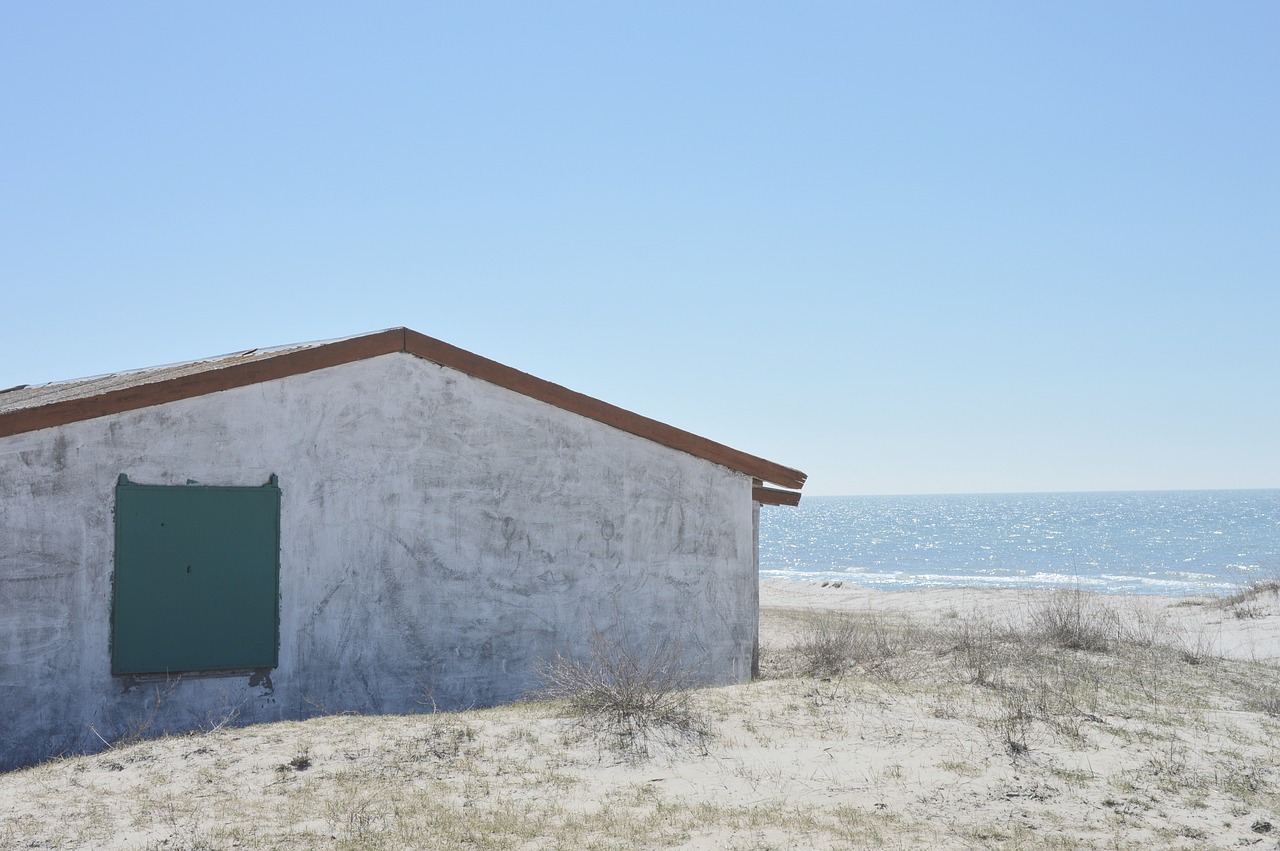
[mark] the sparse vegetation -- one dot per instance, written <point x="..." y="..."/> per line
<point x="1072" y="673"/>
<point x="1072" y="619"/>
<point x="979" y="647"/>
<point x="633" y="698"/>
<point x="964" y="731"/>
<point x="834" y="642"/>
<point x="301" y="761"/>
<point x="1264" y="699"/>
<point x="1251" y="598"/>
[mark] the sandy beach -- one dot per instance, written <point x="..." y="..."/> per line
<point x="918" y="719"/>
<point x="1248" y="633"/>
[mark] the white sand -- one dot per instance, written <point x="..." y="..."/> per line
<point x="1155" y="752"/>
<point x="1198" y="621"/>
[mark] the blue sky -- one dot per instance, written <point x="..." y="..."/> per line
<point x="905" y="247"/>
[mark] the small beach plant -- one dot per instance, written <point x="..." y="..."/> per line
<point x="1073" y="619"/>
<point x="634" y="698"/>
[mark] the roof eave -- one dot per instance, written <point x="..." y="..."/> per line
<point x="391" y="341"/>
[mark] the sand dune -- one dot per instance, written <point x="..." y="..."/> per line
<point x="921" y="719"/>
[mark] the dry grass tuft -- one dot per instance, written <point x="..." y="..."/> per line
<point x="961" y="730"/>
<point x="1248" y="601"/>
<point x="1073" y="619"/>
<point x="980" y="648"/>
<point x="1264" y="699"/>
<point x="834" y="643"/>
<point x="635" y="699"/>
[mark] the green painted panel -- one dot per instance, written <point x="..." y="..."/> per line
<point x="197" y="578"/>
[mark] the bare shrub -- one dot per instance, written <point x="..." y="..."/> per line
<point x="980" y="648"/>
<point x="827" y="644"/>
<point x="1073" y="619"/>
<point x="634" y="698"/>
<point x="1016" y="722"/>
<point x="1143" y="625"/>
<point x="832" y="643"/>
<point x="1196" y="648"/>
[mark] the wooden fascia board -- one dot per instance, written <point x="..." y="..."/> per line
<point x="201" y="383"/>
<point x="773" y="496"/>
<point x="592" y="408"/>
<point x="382" y="343"/>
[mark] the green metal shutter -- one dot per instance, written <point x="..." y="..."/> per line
<point x="197" y="578"/>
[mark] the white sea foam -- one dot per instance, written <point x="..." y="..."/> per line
<point x="1171" y="543"/>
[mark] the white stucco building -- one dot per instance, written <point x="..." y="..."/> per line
<point x="375" y="524"/>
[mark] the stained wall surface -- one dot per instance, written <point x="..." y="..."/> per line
<point x="439" y="535"/>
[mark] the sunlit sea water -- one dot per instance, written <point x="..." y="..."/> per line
<point x="1160" y="542"/>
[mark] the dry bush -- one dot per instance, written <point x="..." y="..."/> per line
<point x="1196" y="648"/>
<point x="1143" y="626"/>
<point x="633" y="698"/>
<point x="826" y="645"/>
<point x="980" y="648"/>
<point x="1016" y="722"/>
<point x="1073" y="619"/>
<point x="833" y="643"/>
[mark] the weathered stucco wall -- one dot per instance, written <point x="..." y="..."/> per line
<point x="438" y="536"/>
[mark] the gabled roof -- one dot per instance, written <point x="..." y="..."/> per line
<point x="25" y="409"/>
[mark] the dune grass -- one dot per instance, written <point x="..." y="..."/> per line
<point x="1069" y="724"/>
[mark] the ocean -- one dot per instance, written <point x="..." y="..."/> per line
<point x="1160" y="542"/>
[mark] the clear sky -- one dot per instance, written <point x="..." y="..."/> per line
<point x="904" y="247"/>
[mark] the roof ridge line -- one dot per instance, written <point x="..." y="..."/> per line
<point x="400" y="339"/>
